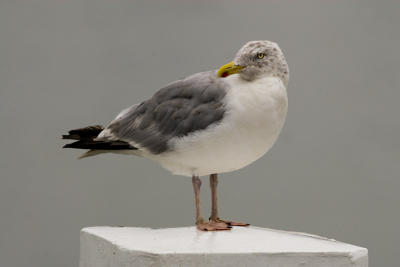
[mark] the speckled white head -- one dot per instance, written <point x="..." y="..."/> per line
<point x="260" y="59"/>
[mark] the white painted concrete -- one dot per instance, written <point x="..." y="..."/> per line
<point x="186" y="246"/>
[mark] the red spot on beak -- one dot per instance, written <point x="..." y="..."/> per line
<point x="225" y="74"/>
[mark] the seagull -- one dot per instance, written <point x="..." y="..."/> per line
<point x="208" y="123"/>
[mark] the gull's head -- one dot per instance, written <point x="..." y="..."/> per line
<point x="258" y="59"/>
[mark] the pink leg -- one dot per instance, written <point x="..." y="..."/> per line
<point x="200" y="222"/>
<point x="214" y="204"/>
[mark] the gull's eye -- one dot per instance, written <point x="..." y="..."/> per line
<point x="261" y="55"/>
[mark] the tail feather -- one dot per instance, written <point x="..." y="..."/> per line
<point x="92" y="153"/>
<point x="86" y="136"/>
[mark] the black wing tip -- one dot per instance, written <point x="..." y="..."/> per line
<point x="85" y="140"/>
<point x="66" y="146"/>
<point x="88" y="129"/>
<point x="74" y="137"/>
<point x="100" y="145"/>
<point x="84" y="133"/>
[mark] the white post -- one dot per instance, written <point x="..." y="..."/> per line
<point x="186" y="246"/>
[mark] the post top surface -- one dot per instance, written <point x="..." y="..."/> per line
<point x="189" y="240"/>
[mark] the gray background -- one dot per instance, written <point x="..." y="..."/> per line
<point x="333" y="172"/>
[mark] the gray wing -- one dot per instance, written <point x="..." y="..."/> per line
<point x="176" y="110"/>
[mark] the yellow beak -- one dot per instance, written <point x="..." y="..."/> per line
<point x="228" y="69"/>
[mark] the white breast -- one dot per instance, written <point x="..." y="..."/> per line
<point x="255" y="115"/>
